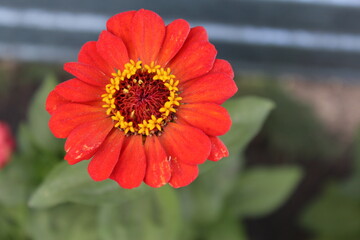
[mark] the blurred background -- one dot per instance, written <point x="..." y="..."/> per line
<point x="303" y="55"/>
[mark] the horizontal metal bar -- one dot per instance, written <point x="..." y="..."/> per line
<point x="90" y="23"/>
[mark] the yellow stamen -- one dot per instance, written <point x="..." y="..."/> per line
<point x="152" y="68"/>
<point x="148" y="126"/>
<point x="132" y="114"/>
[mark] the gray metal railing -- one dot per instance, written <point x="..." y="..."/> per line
<point x="271" y="35"/>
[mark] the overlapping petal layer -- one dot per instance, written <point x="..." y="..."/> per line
<point x="211" y="118"/>
<point x="105" y="159"/>
<point x="120" y="25"/>
<point x="176" y="34"/>
<point x="87" y="73"/>
<point x="85" y="139"/>
<point x="183" y="134"/>
<point x="206" y="89"/>
<point x="71" y="115"/>
<point x="147" y="33"/>
<point x="130" y="170"/>
<point x="89" y="55"/>
<point x="158" y="171"/>
<point x="113" y="50"/>
<point x="189" y="145"/>
<point x="53" y="101"/>
<point x="78" y="91"/>
<point x="218" y="149"/>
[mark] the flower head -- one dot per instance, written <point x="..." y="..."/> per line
<point x="145" y="102"/>
<point x="7" y="144"/>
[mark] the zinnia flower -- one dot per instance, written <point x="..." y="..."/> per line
<point x="144" y="103"/>
<point x="7" y="144"/>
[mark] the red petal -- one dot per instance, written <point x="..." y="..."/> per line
<point x="113" y="50"/>
<point x="158" y="170"/>
<point x="105" y="159"/>
<point x="211" y="118"/>
<point x="89" y="55"/>
<point x="54" y="101"/>
<point x="182" y="174"/>
<point x="71" y="115"/>
<point x="212" y="87"/>
<point x="87" y="73"/>
<point x="198" y="34"/>
<point x="218" y="149"/>
<point x="147" y="31"/>
<point x="176" y="34"/>
<point x="187" y="144"/>
<point x="79" y="91"/>
<point x="222" y="66"/>
<point x="129" y="172"/>
<point x="85" y="139"/>
<point x="194" y="59"/>
<point x="119" y="25"/>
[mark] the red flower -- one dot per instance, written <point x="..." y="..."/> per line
<point x="144" y="103"/>
<point x="7" y="144"/>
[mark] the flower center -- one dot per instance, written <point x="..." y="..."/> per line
<point x="142" y="99"/>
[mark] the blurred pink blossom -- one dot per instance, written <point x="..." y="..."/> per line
<point x="7" y="144"/>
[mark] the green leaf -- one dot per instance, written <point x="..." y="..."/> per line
<point x="134" y="222"/>
<point x="13" y="220"/>
<point x="292" y="127"/>
<point x="169" y="212"/>
<point x="14" y="183"/>
<point x="155" y="217"/>
<point x="71" y="183"/>
<point x="204" y="199"/>
<point x="38" y="118"/>
<point x="248" y="115"/>
<point x="333" y="215"/>
<point x="352" y="185"/>
<point x="261" y="190"/>
<point x="227" y="228"/>
<point x="24" y="139"/>
<point x="70" y="222"/>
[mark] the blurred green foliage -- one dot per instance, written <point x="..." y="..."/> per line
<point x="263" y="189"/>
<point x="335" y="213"/>
<point x="292" y="128"/>
<point x="293" y="131"/>
<point x="42" y="197"/>
<point x="29" y="165"/>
